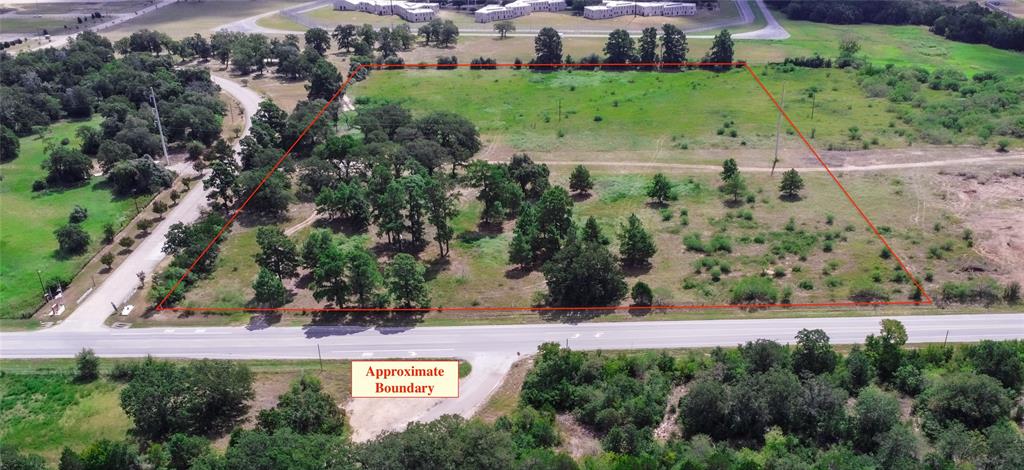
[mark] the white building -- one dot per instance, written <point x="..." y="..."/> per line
<point x="616" y="8"/>
<point x="608" y="9"/>
<point x="408" y="11"/>
<point x="516" y="9"/>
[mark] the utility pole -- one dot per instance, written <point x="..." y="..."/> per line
<point x="320" y="356"/>
<point x="778" y="128"/>
<point x="41" y="285"/>
<point x="159" y="126"/>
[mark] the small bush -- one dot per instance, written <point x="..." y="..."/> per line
<point x="78" y="215"/>
<point x="720" y="242"/>
<point x="642" y="294"/>
<point x="806" y="284"/>
<point x="693" y="242"/>
<point x="754" y="290"/>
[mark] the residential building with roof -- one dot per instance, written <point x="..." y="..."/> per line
<point x="409" y="11"/>
<point x="616" y="8"/>
<point x="607" y="9"/>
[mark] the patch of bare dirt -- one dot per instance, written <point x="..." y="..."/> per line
<point x="577" y="440"/>
<point x="669" y="427"/>
<point x="504" y="400"/>
<point x="991" y="203"/>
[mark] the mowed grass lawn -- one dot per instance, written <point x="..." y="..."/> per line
<point x="28" y="220"/>
<point x="675" y="113"/>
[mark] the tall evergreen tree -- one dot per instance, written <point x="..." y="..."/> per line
<point x="554" y="221"/>
<point x="591" y="232"/>
<point x="636" y="246"/>
<point x="791" y="183"/>
<point x="660" y="188"/>
<point x="520" y="250"/>
<point x="721" y="48"/>
<point x="673" y="45"/>
<point x="729" y="168"/>
<point x="620" y="47"/>
<point x="580" y="181"/>
<point x="648" y="49"/>
<point x="548" y="46"/>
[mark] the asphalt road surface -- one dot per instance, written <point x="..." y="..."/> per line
<point x="490" y="349"/>
<point x="355" y="342"/>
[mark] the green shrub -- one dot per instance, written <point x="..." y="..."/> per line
<point x="693" y="242"/>
<point x="720" y="242"/>
<point x="985" y="291"/>
<point x="754" y="290"/>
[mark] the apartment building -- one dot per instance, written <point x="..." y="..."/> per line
<point x="408" y="11"/>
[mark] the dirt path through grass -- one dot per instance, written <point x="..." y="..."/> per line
<point x="678" y="167"/>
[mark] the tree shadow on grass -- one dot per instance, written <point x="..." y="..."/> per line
<point x="573" y="316"/>
<point x="656" y="205"/>
<point x="436" y="266"/>
<point x="636" y="269"/>
<point x="790" y="197"/>
<point x="323" y="324"/>
<point x="581" y="197"/>
<point x="732" y="203"/>
<point x="518" y="272"/>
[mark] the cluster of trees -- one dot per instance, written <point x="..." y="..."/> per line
<point x="760" y="405"/>
<point x="672" y="47"/>
<point x="177" y="408"/>
<point x="395" y="178"/>
<point x="84" y="78"/>
<point x="184" y="243"/>
<point x="791" y="402"/>
<point x="576" y="262"/>
<point x="621" y="48"/>
<point x="969" y="22"/>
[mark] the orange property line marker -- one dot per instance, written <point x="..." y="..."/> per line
<point x="927" y="299"/>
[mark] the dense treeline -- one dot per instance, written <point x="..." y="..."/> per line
<point x="177" y="408"/>
<point x="791" y="403"/>
<point x="760" y="405"/>
<point x="85" y="78"/>
<point x="969" y="22"/>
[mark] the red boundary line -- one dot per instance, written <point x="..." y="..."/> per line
<point x="345" y="84"/>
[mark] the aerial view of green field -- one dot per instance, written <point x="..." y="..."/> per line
<point x="601" y="235"/>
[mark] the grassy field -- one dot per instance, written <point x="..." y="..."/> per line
<point x="327" y="16"/>
<point x="42" y="411"/>
<point x="29" y="219"/>
<point x="34" y="26"/>
<point x="652" y="117"/>
<point x="186" y="18"/>
<point x="661" y="124"/>
<point x="901" y="45"/>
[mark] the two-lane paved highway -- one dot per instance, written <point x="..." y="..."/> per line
<point x="467" y="341"/>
